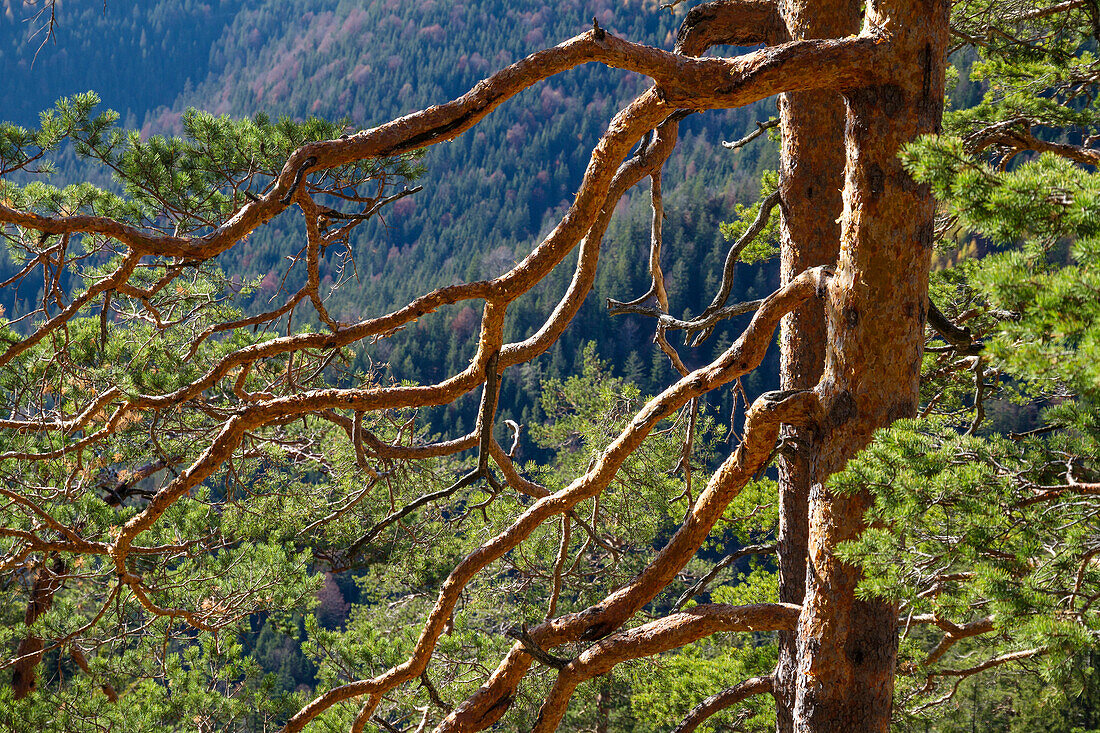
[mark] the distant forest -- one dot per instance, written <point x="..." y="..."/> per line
<point x="487" y="197"/>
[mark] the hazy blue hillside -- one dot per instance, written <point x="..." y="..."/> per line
<point x="137" y="56"/>
<point x="487" y="196"/>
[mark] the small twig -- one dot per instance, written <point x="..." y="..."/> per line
<point x="979" y="396"/>
<point x="103" y="315"/>
<point x="671" y="353"/>
<point x="409" y="508"/>
<point x="686" y="449"/>
<point x="761" y="127"/>
<point x="387" y="725"/>
<point x="600" y="33"/>
<point x="514" y="427"/>
<point x="989" y="663"/>
<point x="701" y="585"/>
<point x="675" y="324"/>
<point x="489" y="395"/>
<point x="657" y="275"/>
<point x="433" y="694"/>
<point x="726" y="286"/>
<point x="958" y="336"/>
<point x="563" y="551"/>
<point x="1037" y="431"/>
<point x="334" y="214"/>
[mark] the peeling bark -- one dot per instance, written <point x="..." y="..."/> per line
<point x="811" y="177"/>
<point x="875" y="315"/>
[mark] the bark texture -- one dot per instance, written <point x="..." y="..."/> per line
<point x="838" y="655"/>
<point x="875" y="315"/>
<point x="811" y="177"/>
<point x="47" y="581"/>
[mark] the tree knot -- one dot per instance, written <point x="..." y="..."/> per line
<point x="519" y="633"/>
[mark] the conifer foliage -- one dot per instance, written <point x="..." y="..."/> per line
<point x="187" y="471"/>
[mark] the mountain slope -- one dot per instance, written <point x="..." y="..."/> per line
<point x="487" y="195"/>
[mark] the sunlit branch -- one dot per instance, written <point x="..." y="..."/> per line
<point x="657" y="636"/>
<point x="741" y="357"/>
<point x="723" y="700"/>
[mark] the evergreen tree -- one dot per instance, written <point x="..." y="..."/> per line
<point x="184" y="466"/>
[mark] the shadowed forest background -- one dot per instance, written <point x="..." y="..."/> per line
<point x="487" y="196"/>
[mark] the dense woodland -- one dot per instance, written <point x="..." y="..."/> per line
<point x="486" y="196"/>
<point x="984" y="523"/>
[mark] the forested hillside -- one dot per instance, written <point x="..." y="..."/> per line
<point x="486" y="197"/>
<point x="137" y="56"/>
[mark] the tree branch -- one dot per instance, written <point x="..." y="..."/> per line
<point x="959" y="337"/>
<point x="721" y="701"/>
<point x="730" y="23"/>
<point x="757" y="226"/>
<point x="741" y="357"/>
<point x="657" y="636"/>
<point x="701" y="585"/>
<point x="761" y="432"/>
<point x="761" y="128"/>
<point x="684" y="80"/>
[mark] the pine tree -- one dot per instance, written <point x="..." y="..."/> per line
<point x="271" y="450"/>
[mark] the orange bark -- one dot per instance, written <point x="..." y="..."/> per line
<point x="863" y="354"/>
<point x="875" y="315"/>
<point x="811" y="177"/>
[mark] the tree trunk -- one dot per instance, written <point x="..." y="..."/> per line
<point x="811" y="176"/>
<point x="603" y="705"/>
<point x="47" y="581"/>
<point x="875" y="315"/>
